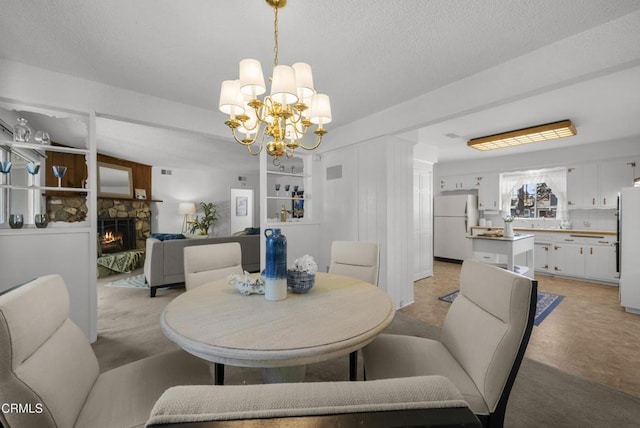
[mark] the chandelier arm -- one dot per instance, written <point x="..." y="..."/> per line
<point x="315" y="146"/>
<point x="248" y="146"/>
<point x="244" y="142"/>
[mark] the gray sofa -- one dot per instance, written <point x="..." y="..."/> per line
<point x="164" y="260"/>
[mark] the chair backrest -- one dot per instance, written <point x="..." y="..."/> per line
<point x="204" y="263"/>
<point x="356" y="259"/>
<point x="46" y="363"/>
<point x="488" y="326"/>
<point x="377" y="403"/>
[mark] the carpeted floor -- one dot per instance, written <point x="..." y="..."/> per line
<point x="129" y="329"/>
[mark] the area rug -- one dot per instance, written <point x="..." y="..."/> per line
<point x="546" y="303"/>
<point x="136" y="281"/>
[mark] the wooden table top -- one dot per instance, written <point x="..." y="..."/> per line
<point x="337" y="316"/>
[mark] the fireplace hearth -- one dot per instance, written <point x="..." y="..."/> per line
<point x="116" y="235"/>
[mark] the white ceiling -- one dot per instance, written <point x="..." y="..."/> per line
<point x="367" y="55"/>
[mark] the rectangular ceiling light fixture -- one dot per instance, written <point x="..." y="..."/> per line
<point x="550" y="131"/>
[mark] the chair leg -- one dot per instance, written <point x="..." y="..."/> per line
<point x="218" y="374"/>
<point x="353" y="366"/>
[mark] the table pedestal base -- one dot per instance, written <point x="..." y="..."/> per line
<point x="283" y="374"/>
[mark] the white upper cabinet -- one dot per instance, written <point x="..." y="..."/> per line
<point x="459" y="182"/>
<point x="582" y="186"/>
<point x="489" y="192"/>
<point x="596" y="185"/>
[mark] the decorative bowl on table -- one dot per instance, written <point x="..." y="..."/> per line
<point x="300" y="282"/>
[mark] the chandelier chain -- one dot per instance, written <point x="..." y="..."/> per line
<point x="275" y="37"/>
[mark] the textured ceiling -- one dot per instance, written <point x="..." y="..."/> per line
<point x="366" y="54"/>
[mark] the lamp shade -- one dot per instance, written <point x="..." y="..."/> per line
<point x="283" y="86"/>
<point x="304" y="80"/>
<point x="320" y="109"/>
<point x="251" y="78"/>
<point x="187" y="208"/>
<point x="231" y="99"/>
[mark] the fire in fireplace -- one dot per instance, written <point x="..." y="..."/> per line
<point x="116" y="235"/>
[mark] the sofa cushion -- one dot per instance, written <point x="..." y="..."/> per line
<point x="167" y="236"/>
<point x="131" y="390"/>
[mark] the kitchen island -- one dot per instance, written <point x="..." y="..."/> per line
<point x="521" y="243"/>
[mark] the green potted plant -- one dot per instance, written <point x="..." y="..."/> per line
<point x="201" y="225"/>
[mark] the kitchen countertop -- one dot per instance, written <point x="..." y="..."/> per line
<point x="516" y="237"/>
<point x="541" y="230"/>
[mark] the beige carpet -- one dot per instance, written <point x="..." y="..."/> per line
<point x="129" y="329"/>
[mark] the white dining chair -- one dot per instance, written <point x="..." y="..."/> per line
<point x="205" y="263"/>
<point x="358" y="260"/>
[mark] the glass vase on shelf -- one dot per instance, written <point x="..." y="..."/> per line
<point x="21" y="131"/>
<point x="59" y="171"/>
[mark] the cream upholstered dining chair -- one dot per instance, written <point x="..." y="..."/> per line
<point x="48" y="369"/>
<point x="359" y="260"/>
<point x="482" y="341"/>
<point x="204" y="263"/>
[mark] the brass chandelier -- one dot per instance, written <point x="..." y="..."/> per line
<point x="285" y="115"/>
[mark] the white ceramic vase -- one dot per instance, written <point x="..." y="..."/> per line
<point x="508" y="229"/>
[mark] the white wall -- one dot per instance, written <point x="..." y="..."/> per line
<point x="373" y="202"/>
<point x="187" y="185"/>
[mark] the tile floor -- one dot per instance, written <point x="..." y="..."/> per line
<point x="588" y="334"/>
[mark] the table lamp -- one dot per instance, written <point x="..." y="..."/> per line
<point x="186" y="208"/>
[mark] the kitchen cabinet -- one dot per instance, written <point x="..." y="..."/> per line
<point x="596" y="185"/>
<point x="568" y="259"/>
<point x="489" y="192"/>
<point x="541" y="256"/>
<point x="584" y="256"/>
<point x="600" y="259"/>
<point x="582" y="186"/>
<point x="462" y="182"/>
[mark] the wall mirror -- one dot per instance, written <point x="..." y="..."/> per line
<point x="114" y="181"/>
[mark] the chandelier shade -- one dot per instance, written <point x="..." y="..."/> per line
<point x="283" y="85"/>
<point x="281" y="119"/>
<point x="231" y="100"/>
<point x="251" y="78"/>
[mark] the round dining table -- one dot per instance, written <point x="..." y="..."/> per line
<point x="338" y="316"/>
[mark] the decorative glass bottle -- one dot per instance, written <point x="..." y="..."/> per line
<point x="21" y="132"/>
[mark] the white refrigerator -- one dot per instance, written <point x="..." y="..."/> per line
<point x="629" y="247"/>
<point x="453" y="216"/>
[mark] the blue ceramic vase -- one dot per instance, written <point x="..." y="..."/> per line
<point x="275" y="270"/>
